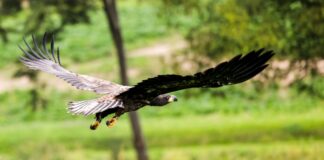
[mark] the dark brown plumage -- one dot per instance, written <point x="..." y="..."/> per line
<point x="119" y="99"/>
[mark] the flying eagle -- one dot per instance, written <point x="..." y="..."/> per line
<point x="119" y="99"/>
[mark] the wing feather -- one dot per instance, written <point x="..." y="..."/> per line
<point x="237" y="70"/>
<point x="50" y="62"/>
<point x="93" y="106"/>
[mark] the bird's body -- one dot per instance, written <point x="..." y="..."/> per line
<point x="118" y="99"/>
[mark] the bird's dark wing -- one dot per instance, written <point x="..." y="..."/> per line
<point x="236" y="70"/>
<point x="49" y="61"/>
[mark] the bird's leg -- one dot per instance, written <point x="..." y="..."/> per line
<point x="110" y="123"/>
<point x="94" y="125"/>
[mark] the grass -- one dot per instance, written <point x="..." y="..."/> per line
<point x="243" y="136"/>
<point x="297" y="150"/>
<point x="302" y="150"/>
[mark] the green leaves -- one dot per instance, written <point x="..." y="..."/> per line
<point x="291" y="28"/>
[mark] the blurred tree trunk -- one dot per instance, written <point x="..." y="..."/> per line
<point x="37" y="101"/>
<point x="4" y="35"/>
<point x="3" y="32"/>
<point x="112" y="16"/>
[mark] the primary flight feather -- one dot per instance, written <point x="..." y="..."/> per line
<point x="119" y="99"/>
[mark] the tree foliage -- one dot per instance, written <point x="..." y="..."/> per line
<point x="30" y="16"/>
<point x="292" y="28"/>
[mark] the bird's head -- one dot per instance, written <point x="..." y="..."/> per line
<point x="163" y="99"/>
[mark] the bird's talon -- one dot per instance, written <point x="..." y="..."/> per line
<point x="110" y="123"/>
<point x="94" y="125"/>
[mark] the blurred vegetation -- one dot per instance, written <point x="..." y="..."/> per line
<point x="83" y="42"/>
<point x="265" y="118"/>
<point x="30" y="16"/>
<point x="227" y="100"/>
<point x="292" y="28"/>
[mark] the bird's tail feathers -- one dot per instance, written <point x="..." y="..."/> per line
<point x="82" y="107"/>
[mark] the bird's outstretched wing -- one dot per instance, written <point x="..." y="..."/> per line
<point x="49" y="61"/>
<point x="236" y="70"/>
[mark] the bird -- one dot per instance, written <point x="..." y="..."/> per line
<point x="119" y="99"/>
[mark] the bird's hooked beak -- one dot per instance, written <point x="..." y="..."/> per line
<point x="172" y="99"/>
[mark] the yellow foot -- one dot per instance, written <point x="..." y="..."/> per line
<point x="110" y="123"/>
<point x="94" y="125"/>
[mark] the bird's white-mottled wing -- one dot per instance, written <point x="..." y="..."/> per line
<point x="79" y="81"/>
<point x="42" y="60"/>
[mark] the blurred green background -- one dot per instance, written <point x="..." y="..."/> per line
<point x="277" y="115"/>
